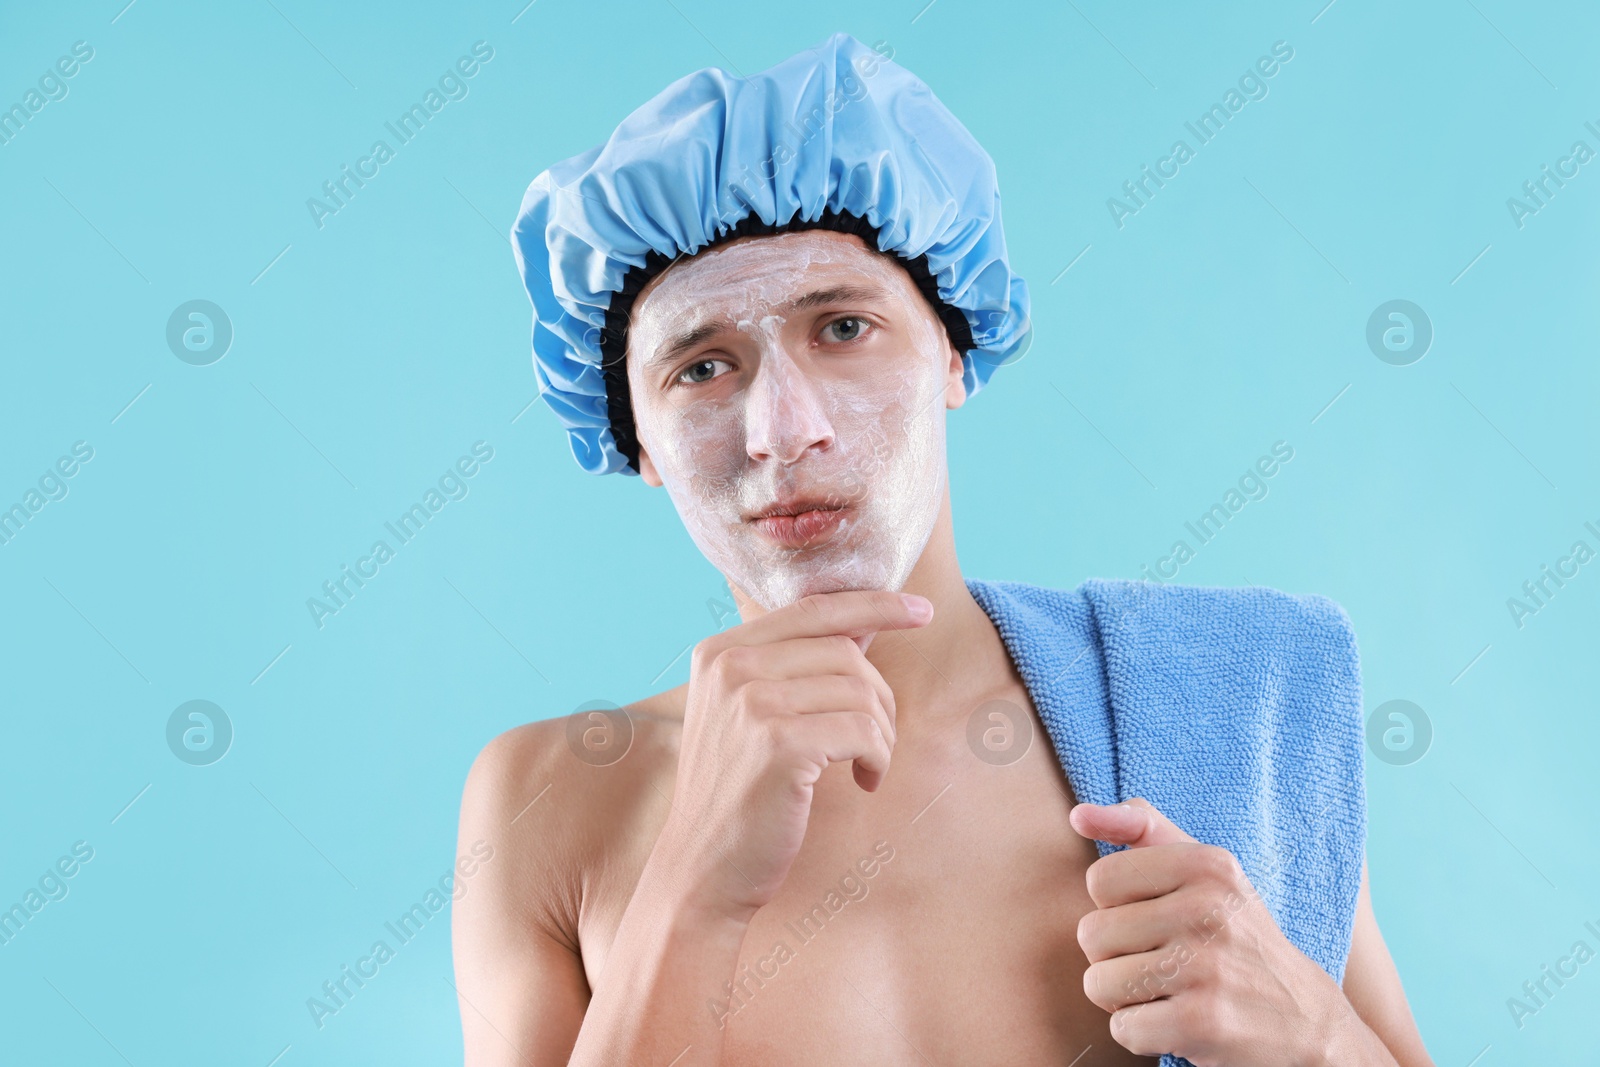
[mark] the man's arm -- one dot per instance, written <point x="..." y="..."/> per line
<point x="524" y="996"/>
<point x="1372" y="985"/>
<point x="510" y="946"/>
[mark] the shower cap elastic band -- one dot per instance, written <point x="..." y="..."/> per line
<point x="837" y="138"/>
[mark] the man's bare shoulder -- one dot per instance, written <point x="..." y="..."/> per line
<point x="563" y="790"/>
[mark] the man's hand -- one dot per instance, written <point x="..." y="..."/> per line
<point x="1188" y="960"/>
<point x="772" y="702"/>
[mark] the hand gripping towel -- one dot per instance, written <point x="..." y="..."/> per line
<point x="1236" y="712"/>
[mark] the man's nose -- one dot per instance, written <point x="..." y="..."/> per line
<point x="786" y="413"/>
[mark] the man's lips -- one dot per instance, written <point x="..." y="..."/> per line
<point x="799" y="525"/>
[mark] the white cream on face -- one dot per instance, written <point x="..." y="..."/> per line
<point x="792" y="410"/>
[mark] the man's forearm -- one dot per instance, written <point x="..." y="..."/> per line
<point x="1354" y="1045"/>
<point x="669" y="964"/>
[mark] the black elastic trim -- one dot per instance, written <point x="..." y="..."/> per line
<point x="614" y="338"/>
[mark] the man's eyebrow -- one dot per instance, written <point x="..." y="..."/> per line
<point x="839" y="294"/>
<point x="691" y="338"/>
<point x="699" y="335"/>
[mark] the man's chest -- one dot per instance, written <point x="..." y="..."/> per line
<point x="934" y="921"/>
<point x="942" y="930"/>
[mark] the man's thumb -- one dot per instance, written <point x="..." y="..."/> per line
<point x="1135" y="823"/>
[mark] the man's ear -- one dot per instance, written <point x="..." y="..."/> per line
<point x="647" y="469"/>
<point x="955" y="386"/>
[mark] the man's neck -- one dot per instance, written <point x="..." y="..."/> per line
<point x="939" y="668"/>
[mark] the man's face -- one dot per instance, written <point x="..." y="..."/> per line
<point x="789" y="391"/>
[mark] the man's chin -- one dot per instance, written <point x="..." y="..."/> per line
<point x="777" y="591"/>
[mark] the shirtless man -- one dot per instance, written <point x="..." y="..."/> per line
<point x="798" y="857"/>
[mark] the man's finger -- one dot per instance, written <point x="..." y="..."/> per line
<point x="1137" y="979"/>
<point x="1150" y="1028"/>
<point x="1135" y="823"/>
<point x="851" y="613"/>
<point x="1139" y="874"/>
<point x="840" y="736"/>
<point x="808" y="657"/>
<point x="1143" y="925"/>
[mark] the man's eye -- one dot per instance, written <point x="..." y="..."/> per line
<point x="702" y="371"/>
<point x="840" y="331"/>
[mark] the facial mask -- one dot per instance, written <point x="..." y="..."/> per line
<point x="792" y="405"/>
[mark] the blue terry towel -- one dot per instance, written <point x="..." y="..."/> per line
<point x="1237" y="712"/>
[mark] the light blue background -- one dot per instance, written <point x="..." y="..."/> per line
<point x="1225" y="316"/>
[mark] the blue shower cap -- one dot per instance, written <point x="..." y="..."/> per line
<point x="837" y="137"/>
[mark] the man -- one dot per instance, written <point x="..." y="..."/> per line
<point x="836" y="843"/>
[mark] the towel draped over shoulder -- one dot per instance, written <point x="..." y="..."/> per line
<point x="1236" y="712"/>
